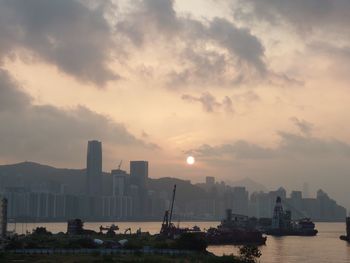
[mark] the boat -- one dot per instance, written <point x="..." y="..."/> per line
<point x="347" y="236"/>
<point x="235" y="229"/>
<point x="283" y="225"/>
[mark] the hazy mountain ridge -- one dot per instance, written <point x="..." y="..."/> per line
<point x="25" y="173"/>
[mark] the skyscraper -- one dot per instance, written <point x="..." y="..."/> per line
<point x="119" y="181"/>
<point x="138" y="177"/>
<point x="94" y="168"/>
<point x="139" y="173"/>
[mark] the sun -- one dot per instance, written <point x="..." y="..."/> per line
<point x="190" y="160"/>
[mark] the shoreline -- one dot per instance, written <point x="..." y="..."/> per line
<point x="143" y="221"/>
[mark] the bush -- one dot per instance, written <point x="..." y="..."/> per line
<point x="134" y="244"/>
<point x="15" y="244"/>
<point x="41" y="231"/>
<point x="249" y="253"/>
<point x="191" y="241"/>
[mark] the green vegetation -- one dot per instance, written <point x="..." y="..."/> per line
<point x="249" y="253"/>
<point x="40" y="238"/>
<point x="196" y="258"/>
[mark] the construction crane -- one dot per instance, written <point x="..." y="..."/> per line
<point x="167" y="225"/>
<point x="120" y="164"/>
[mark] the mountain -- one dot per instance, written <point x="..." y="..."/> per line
<point x="29" y="173"/>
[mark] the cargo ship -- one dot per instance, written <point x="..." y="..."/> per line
<point x="283" y="225"/>
<point x="235" y="229"/>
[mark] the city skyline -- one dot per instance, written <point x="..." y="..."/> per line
<point x="249" y="88"/>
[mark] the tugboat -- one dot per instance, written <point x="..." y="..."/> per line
<point x="282" y="224"/>
<point x="347" y="237"/>
<point x="235" y="229"/>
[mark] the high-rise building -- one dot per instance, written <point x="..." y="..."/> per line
<point x="119" y="181"/>
<point x="240" y="200"/>
<point x="138" y="179"/>
<point x="306" y="190"/>
<point x="210" y="180"/>
<point x="94" y="168"/>
<point x="139" y="173"/>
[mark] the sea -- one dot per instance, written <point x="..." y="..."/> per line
<point x="326" y="247"/>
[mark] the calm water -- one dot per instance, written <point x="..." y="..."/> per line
<point x="325" y="247"/>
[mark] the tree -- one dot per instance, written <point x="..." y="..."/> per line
<point x="249" y="253"/>
<point x="41" y="231"/>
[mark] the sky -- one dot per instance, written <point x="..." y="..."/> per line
<point x="253" y="88"/>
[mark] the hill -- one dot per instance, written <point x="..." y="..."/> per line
<point x="29" y="173"/>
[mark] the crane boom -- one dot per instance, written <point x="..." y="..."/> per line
<point x="172" y="205"/>
<point x="120" y="164"/>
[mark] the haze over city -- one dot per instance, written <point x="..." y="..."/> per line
<point x="251" y="89"/>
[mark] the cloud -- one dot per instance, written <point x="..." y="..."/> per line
<point x="295" y="145"/>
<point x="47" y="133"/>
<point x="323" y="162"/>
<point x="238" y="41"/>
<point x="304" y="126"/>
<point x="247" y="96"/>
<point x="210" y="103"/>
<point x="304" y="15"/>
<point x="240" y="149"/>
<point x="75" y="37"/>
<point x="149" y="19"/>
<point x="214" y="51"/>
<point x="84" y="38"/>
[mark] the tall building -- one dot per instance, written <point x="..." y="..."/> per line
<point x="139" y="173"/>
<point x="210" y="180"/>
<point x="138" y="178"/>
<point x="306" y="190"/>
<point x="240" y="200"/>
<point x="94" y="168"/>
<point x="119" y="181"/>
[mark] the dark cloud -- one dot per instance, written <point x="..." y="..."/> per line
<point x="69" y="34"/>
<point x="11" y="99"/>
<point x="240" y="149"/>
<point x="290" y="145"/>
<point x="47" y="133"/>
<point x="201" y="67"/>
<point x="210" y="103"/>
<point x="304" y="126"/>
<point x="304" y="15"/>
<point x="311" y="147"/>
<point x="238" y="41"/>
<point x="235" y="54"/>
<point x="149" y="19"/>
